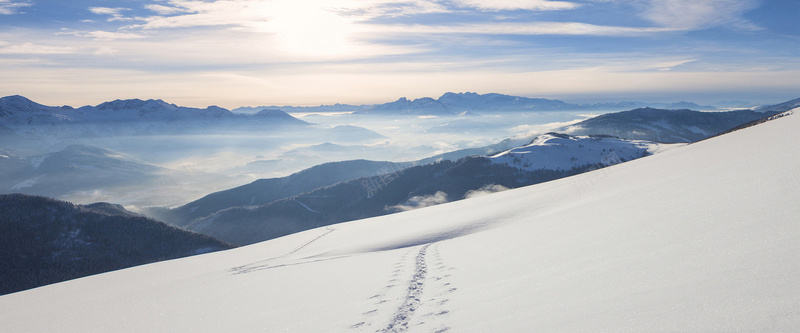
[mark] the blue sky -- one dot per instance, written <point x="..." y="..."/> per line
<point x="309" y="52"/>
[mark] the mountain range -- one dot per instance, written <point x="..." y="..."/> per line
<point x="344" y="191"/>
<point x="338" y="192"/>
<point x="28" y="125"/>
<point x="699" y="238"/>
<point x="266" y="209"/>
<point x="450" y="104"/>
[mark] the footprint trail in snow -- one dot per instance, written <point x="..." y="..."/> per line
<point x="419" y="304"/>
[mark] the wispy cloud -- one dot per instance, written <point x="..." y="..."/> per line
<point x="10" y="7"/>
<point x="102" y="35"/>
<point x="498" y="5"/>
<point x="700" y="14"/>
<point x="668" y="65"/>
<point x="115" y="13"/>
<point x="31" y="48"/>
<point x="531" y="28"/>
<point x="165" y="10"/>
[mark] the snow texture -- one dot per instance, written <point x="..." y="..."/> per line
<point x="555" y="151"/>
<point x="701" y="238"/>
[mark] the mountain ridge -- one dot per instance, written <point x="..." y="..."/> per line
<point x="46" y="241"/>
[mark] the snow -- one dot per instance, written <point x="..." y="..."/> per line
<point x="25" y="184"/>
<point x="701" y="238"/>
<point x="306" y="207"/>
<point x="37" y="161"/>
<point x="564" y="152"/>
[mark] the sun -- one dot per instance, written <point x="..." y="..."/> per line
<point x="309" y="30"/>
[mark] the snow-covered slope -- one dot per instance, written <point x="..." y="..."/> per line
<point x="554" y="151"/>
<point x="659" y="125"/>
<point x="700" y="238"/>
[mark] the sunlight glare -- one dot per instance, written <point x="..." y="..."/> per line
<point x="306" y="28"/>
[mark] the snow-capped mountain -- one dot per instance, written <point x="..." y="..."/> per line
<point x="470" y="101"/>
<point x="698" y="238"/>
<point x="452" y="103"/>
<point x="554" y="151"/>
<point x="47" y="241"/>
<point x="668" y="126"/>
<point x="459" y="103"/>
<point x="31" y="120"/>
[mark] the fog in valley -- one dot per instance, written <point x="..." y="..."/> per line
<point x="172" y="169"/>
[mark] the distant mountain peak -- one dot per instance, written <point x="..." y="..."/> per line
<point x="19" y="103"/>
<point x="127" y="104"/>
<point x="271" y="113"/>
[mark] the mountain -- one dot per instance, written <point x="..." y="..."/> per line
<point x="264" y="191"/>
<point x="635" y="105"/>
<point x="362" y="198"/>
<point x="450" y="104"/>
<point x="418" y="107"/>
<point x="304" y="109"/>
<point x="782" y="107"/>
<point x="351" y="133"/>
<point x="470" y="101"/>
<point x="459" y="103"/>
<point x="668" y="126"/>
<point x="75" y="168"/>
<point x="546" y="157"/>
<point x="549" y="157"/>
<point x="278" y="117"/>
<point x="554" y="151"/>
<point x="31" y="120"/>
<point x="47" y="241"/>
<point x="701" y="238"/>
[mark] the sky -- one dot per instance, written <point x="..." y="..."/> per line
<point x="235" y="53"/>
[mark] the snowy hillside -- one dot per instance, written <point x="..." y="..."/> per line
<point x="555" y="151"/>
<point x="699" y="238"/>
<point x="669" y="126"/>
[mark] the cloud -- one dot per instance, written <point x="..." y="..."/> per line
<point x="421" y="202"/>
<point x="532" y="28"/>
<point x="115" y="13"/>
<point x="103" y="35"/>
<point x="165" y="10"/>
<point x="486" y="189"/>
<point x="498" y="5"/>
<point x="696" y="14"/>
<point x="9" y="7"/>
<point x="668" y="65"/>
<point x="31" y="48"/>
